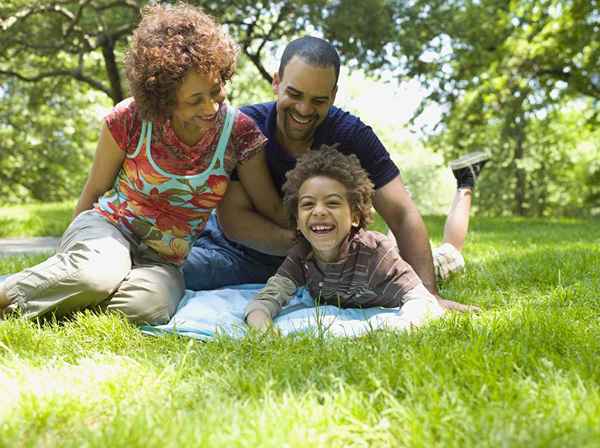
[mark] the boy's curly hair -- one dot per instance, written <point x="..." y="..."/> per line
<point x="170" y="41"/>
<point x="346" y="169"/>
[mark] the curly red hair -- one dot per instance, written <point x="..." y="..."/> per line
<point x="170" y="41"/>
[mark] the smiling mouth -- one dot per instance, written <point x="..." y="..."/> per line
<point x="210" y="118"/>
<point x="321" y="229"/>
<point x="301" y="120"/>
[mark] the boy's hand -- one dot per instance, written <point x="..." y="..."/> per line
<point x="259" y="320"/>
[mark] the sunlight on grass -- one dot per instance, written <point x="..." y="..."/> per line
<point x="522" y="373"/>
<point x="36" y="220"/>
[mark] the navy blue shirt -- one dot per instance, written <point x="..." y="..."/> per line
<point x="353" y="136"/>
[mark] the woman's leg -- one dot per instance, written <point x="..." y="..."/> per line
<point x="91" y="261"/>
<point x="448" y="258"/>
<point x="149" y="294"/>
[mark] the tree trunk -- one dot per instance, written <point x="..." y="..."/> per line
<point x="112" y="70"/>
<point x="520" y="188"/>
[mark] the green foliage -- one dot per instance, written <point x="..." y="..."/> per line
<point x="46" y="148"/>
<point x="513" y="76"/>
<point x="519" y="79"/>
<point x="522" y="373"/>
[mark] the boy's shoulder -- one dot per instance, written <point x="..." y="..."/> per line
<point x="372" y="240"/>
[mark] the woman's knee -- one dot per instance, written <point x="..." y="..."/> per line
<point x="100" y="272"/>
<point x="148" y="296"/>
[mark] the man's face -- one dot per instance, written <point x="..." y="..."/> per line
<point x="304" y="95"/>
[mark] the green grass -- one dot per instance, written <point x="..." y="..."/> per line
<point x="522" y="373"/>
<point x="36" y="220"/>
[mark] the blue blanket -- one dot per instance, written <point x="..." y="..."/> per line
<point x="206" y="314"/>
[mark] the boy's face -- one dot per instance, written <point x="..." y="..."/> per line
<point x="325" y="217"/>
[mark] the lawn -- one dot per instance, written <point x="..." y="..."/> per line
<point x="522" y="373"/>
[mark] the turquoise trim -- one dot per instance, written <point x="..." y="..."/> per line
<point x="219" y="153"/>
<point x="141" y="140"/>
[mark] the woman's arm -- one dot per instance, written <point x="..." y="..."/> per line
<point x="107" y="162"/>
<point x="258" y="183"/>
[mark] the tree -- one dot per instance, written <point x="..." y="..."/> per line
<point x="84" y="40"/>
<point x="46" y="146"/>
<point x="504" y="69"/>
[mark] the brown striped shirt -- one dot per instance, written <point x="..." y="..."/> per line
<point x="370" y="273"/>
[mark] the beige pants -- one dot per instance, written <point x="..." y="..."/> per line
<point x="447" y="260"/>
<point x="97" y="266"/>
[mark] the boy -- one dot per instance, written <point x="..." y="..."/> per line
<point x="328" y="196"/>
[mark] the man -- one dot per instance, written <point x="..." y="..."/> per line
<point x="248" y="248"/>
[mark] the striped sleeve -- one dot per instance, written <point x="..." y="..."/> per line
<point x="390" y="277"/>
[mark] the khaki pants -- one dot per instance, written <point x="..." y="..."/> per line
<point x="97" y="266"/>
<point x="447" y="260"/>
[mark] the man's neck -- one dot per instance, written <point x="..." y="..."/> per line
<point x="294" y="148"/>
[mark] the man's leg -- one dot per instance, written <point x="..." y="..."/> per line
<point x="447" y="258"/>
<point x="214" y="262"/>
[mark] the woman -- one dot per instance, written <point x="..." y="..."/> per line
<point x="161" y="165"/>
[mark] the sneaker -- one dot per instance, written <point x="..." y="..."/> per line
<point x="467" y="168"/>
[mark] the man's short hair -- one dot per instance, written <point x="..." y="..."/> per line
<point x="314" y="51"/>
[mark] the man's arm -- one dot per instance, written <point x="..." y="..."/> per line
<point x="243" y="224"/>
<point x="395" y="206"/>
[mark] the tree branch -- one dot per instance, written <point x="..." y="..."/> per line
<point x="75" y="74"/>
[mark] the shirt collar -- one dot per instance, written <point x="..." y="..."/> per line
<point x="345" y="248"/>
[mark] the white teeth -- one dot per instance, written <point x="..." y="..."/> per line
<point x="300" y="120"/>
<point x="321" y="228"/>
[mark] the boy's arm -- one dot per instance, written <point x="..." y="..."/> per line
<point x="394" y="204"/>
<point x="419" y="306"/>
<point x="396" y="283"/>
<point x="268" y="302"/>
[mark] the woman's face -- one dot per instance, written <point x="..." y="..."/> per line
<point x="198" y="99"/>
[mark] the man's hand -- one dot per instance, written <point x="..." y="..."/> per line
<point x="451" y="305"/>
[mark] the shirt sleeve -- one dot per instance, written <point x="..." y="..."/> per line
<point x="281" y="287"/>
<point x="373" y="156"/>
<point x="124" y="124"/>
<point x="275" y="295"/>
<point x="247" y="137"/>
<point x="390" y="277"/>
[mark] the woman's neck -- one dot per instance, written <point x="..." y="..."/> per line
<point x="187" y="133"/>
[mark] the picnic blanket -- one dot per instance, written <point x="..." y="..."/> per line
<point x="206" y="314"/>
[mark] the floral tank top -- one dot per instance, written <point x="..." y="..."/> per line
<point x="166" y="190"/>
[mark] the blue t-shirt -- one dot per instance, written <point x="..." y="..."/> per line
<point x="353" y="136"/>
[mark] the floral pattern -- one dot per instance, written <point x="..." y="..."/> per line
<point x="164" y="196"/>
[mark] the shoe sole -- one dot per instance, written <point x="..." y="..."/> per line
<point x="469" y="159"/>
